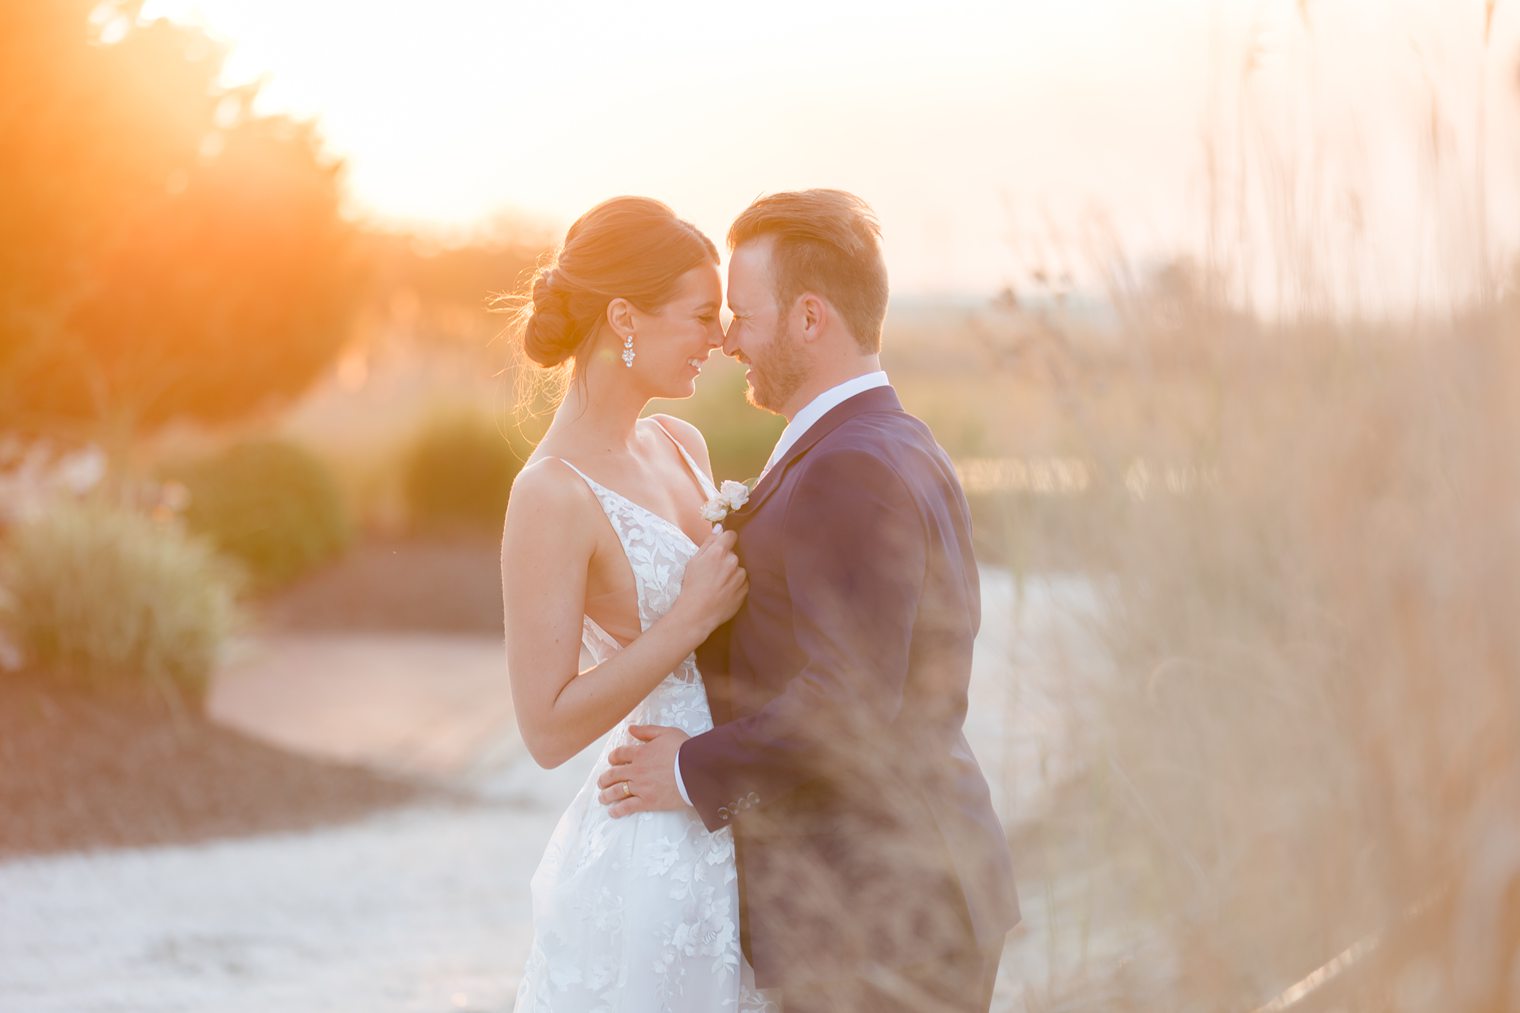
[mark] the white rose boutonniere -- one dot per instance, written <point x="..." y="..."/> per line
<point x="731" y="496"/>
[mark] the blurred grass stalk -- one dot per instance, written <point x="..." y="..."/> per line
<point x="1308" y="745"/>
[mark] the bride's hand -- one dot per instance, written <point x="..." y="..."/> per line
<point x="714" y="585"/>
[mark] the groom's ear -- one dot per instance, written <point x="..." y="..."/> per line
<point x="815" y="315"/>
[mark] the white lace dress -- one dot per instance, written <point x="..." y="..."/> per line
<point x="640" y="913"/>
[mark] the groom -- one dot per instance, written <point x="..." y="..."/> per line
<point x="873" y="873"/>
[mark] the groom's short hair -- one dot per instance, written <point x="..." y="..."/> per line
<point x="827" y="242"/>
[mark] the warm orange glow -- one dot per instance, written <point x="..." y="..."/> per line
<point x="970" y="126"/>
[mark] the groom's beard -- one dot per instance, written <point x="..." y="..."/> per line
<point x="777" y="373"/>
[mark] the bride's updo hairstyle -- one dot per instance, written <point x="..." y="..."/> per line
<point x="632" y="248"/>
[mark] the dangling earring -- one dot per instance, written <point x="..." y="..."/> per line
<point x="628" y="352"/>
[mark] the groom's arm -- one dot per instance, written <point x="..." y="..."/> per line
<point x="854" y="554"/>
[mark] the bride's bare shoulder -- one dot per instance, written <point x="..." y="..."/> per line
<point x="547" y="490"/>
<point x="689" y="436"/>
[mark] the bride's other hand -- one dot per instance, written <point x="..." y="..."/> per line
<point x="714" y="585"/>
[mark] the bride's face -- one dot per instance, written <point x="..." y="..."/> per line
<point x="673" y="343"/>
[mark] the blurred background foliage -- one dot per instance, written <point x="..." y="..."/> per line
<point x="271" y="506"/>
<point x="111" y="599"/>
<point x="164" y="252"/>
<point x="457" y="474"/>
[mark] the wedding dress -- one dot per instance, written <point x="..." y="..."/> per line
<point x="640" y="913"/>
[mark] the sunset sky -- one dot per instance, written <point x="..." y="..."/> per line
<point x="990" y="137"/>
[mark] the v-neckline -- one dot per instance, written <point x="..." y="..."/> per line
<point x="639" y="506"/>
<point x="705" y="485"/>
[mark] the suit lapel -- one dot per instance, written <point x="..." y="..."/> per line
<point x="877" y="399"/>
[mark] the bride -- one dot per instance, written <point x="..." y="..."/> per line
<point x="610" y="580"/>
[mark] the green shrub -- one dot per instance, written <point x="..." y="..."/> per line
<point x="100" y="596"/>
<point x="270" y="505"/>
<point x="457" y="473"/>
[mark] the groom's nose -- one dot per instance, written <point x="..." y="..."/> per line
<point x="730" y="344"/>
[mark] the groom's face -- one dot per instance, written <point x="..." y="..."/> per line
<point x="762" y="334"/>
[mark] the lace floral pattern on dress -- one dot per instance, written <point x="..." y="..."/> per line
<point x="640" y="913"/>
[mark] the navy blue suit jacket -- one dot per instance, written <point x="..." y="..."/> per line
<point x="864" y="827"/>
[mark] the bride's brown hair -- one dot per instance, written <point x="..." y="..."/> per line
<point x="632" y="248"/>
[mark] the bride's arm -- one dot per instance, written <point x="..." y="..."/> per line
<point x="546" y="551"/>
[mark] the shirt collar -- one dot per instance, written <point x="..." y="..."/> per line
<point x="819" y="407"/>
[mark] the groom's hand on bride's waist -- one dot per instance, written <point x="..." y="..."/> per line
<point x="641" y="777"/>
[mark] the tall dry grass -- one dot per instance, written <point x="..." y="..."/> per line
<point x="1308" y="734"/>
<point x="1306" y="742"/>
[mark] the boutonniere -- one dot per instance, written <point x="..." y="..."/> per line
<point x="731" y="496"/>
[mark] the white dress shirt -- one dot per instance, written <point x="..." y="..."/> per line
<point x="800" y="424"/>
<point x="818" y="408"/>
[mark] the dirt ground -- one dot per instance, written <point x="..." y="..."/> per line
<point x="392" y="586"/>
<point x="81" y="770"/>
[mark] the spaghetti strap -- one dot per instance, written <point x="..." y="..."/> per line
<point x="703" y="479"/>
<point x="600" y="491"/>
<point x="589" y="480"/>
<point x="613" y="501"/>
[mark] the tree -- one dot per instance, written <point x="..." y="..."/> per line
<point x="165" y="252"/>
